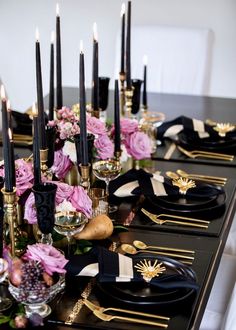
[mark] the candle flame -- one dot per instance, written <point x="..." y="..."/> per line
<point x="52" y="37"/>
<point x="34" y="110"/>
<point x="81" y="46"/>
<point x="10" y="134"/>
<point x="145" y="60"/>
<point x="8" y="105"/>
<point x="57" y="10"/>
<point x="95" y="31"/>
<point x="3" y="95"/>
<point x="122" y="12"/>
<point x="37" y="34"/>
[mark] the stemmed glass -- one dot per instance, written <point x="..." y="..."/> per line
<point x="107" y="170"/>
<point x="5" y="302"/>
<point x="69" y="223"/>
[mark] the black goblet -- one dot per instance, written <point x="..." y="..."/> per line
<point x="90" y="141"/>
<point x="136" y="83"/>
<point x="45" y="194"/>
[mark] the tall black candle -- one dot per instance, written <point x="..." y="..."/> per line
<point x="145" y="81"/>
<point x="12" y="158"/>
<point x="41" y="119"/>
<point x="36" y="152"/>
<point x="128" y="50"/>
<point x="122" y="60"/>
<point x="51" y="83"/>
<point x="6" y="144"/>
<point x="117" y="117"/>
<point x="58" y="60"/>
<point x="82" y="101"/>
<point x="95" y="80"/>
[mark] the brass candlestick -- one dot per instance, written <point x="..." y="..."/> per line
<point x="122" y="93"/>
<point x="43" y="163"/>
<point x="128" y="102"/>
<point x="9" y="198"/>
<point x="144" y="109"/>
<point x="117" y="155"/>
<point x="85" y="176"/>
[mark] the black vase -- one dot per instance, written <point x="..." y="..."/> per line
<point x="45" y="194"/>
<point x="51" y="137"/>
<point x="1" y="216"/>
<point x="103" y="92"/>
<point x="90" y="141"/>
<point x="136" y="83"/>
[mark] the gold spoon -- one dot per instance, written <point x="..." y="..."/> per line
<point x="214" y="178"/>
<point x="172" y="175"/>
<point x="130" y="249"/>
<point x="142" y="246"/>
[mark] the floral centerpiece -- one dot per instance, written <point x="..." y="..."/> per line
<point x="134" y="143"/>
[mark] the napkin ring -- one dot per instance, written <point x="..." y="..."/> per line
<point x="184" y="184"/>
<point x="149" y="271"/>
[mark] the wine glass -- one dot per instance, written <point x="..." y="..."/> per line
<point x="69" y="223"/>
<point x="107" y="170"/>
<point x="5" y="302"/>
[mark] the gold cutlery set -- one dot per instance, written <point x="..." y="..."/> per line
<point x="205" y="154"/>
<point x="176" y="220"/>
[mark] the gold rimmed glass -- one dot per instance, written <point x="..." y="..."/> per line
<point x="107" y="170"/>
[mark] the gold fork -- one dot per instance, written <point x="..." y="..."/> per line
<point x="105" y="317"/>
<point x="205" y="154"/>
<point x="94" y="307"/>
<point x="156" y="218"/>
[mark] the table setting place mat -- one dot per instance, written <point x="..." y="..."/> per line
<point x="200" y="211"/>
<point x="118" y="282"/>
<point x="191" y="135"/>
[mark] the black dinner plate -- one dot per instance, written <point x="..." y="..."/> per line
<point x="185" y="202"/>
<point x="222" y="145"/>
<point x="141" y="293"/>
<point x="205" y="210"/>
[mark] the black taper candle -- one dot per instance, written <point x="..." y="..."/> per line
<point x="95" y="79"/>
<point x="128" y="48"/>
<point x="12" y="158"/>
<point x="51" y="84"/>
<point x="117" y="117"/>
<point x="41" y="119"/>
<point x="122" y="60"/>
<point x="6" y="144"/>
<point x="145" y="82"/>
<point x="82" y="101"/>
<point x="58" y="60"/>
<point x="36" y="151"/>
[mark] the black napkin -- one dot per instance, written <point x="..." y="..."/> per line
<point x="110" y="267"/>
<point x="191" y="127"/>
<point x="139" y="182"/>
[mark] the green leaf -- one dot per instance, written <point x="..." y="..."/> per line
<point x="4" y="319"/>
<point x="120" y="229"/>
<point x="12" y="324"/>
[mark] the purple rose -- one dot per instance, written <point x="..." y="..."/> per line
<point x="52" y="260"/>
<point x="24" y="176"/>
<point x="104" y="146"/>
<point x="95" y="126"/>
<point x="81" y="201"/>
<point x="139" y="145"/>
<point x="128" y="126"/>
<point x="62" y="164"/>
<point x="64" y="191"/>
<point x="30" y="210"/>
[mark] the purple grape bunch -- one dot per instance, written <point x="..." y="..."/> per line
<point x="32" y="283"/>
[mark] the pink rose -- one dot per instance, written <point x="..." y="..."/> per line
<point x="51" y="259"/>
<point x="95" y="126"/>
<point x="128" y="126"/>
<point x="64" y="191"/>
<point x="139" y="145"/>
<point x="30" y="210"/>
<point x="81" y="201"/>
<point x="104" y="146"/>
<point x="62" y="164"/>
<point x="24" y="176"/>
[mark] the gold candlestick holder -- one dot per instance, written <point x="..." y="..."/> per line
<point x="9" y="199"/>
<point x="85" y="176"/>
<point x="144" y="110"/>
<point x="122" y="93"/>
<point x="117" y="155"/>
<point x="128" y="102"/>
<point x="43" y="163"/>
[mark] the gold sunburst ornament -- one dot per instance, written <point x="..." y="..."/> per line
<point x="149" y="271"/>
<point x="184" y="184"/>
<point x="223" y="128"/>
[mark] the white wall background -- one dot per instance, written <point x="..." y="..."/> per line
<point x="19" y="18"/>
